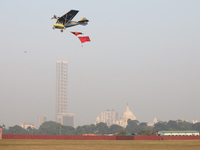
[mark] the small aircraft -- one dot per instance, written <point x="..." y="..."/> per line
<point x="66" y="20"/>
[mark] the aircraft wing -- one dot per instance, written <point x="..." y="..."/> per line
<point x="68" y="17"/>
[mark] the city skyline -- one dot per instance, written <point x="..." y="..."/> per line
<point x="144" y="53"/>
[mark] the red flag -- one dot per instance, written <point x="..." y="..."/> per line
<point x="76" y="33"/>
<point x="84" y="39"/>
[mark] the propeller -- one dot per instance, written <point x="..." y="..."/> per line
<point x="55" y="17"/>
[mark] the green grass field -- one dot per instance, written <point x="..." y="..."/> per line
<point x="97" y="145"/>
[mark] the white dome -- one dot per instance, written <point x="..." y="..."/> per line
<point x="126" y="115"/>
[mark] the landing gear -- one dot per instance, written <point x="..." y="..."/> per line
<point x="61" y="30"/>
<point x="54" y="28"/>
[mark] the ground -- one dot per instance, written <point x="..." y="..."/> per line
<point x="97" y="145"/>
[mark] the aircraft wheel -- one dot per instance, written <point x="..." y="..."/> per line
<point x="53" y="27"/>
<point x="61" y="30"/>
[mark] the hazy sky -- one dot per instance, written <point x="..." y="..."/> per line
<point x="142" y="52"/>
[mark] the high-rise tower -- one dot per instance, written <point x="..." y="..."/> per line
<point x="61" y="90"/>
<point x="41" y="120"/>
<point x="109" y="117"/>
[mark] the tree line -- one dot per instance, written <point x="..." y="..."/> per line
<point x="134" y="127"/>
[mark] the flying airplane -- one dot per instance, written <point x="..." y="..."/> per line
<point x="66" y="20"/>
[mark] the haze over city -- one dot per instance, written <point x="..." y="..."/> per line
<point x="144" y="53"/>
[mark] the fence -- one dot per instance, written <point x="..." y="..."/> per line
<point x="97" y="137"/>
<point x="57" y="137"/>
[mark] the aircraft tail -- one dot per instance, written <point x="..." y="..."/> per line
<point x="83" y="21"/>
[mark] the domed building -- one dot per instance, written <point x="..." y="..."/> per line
<point x="97" y="120"/>
<point x="154" y="122"/>
<point x="125" y="116"/>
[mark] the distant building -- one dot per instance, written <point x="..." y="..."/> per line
<point x="194" y="121"/>
<point x="61" y="90"/>
<point x="26" y="125"/>
<point x="154" y="122"/>
<point x="98" y="120"/>
<point x="109" y="117"/>
<point x="41" y="120"/>
<point x="68" y="119"/>
<point x="169" y="133"/>
<point x="125" y="116"/>
<point x="62" y="115"/>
